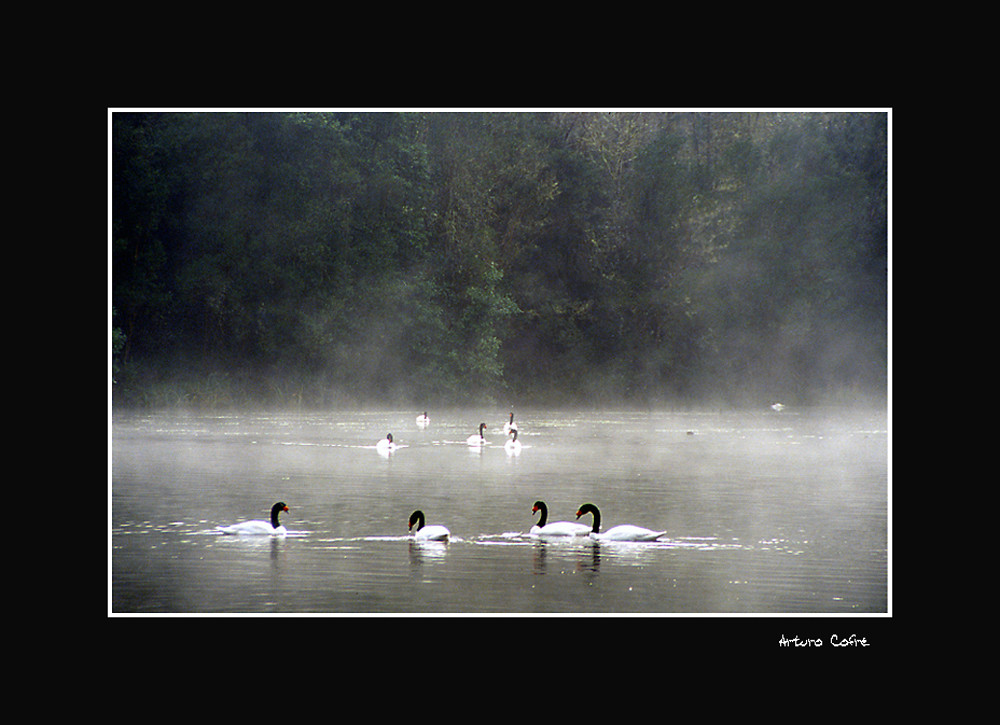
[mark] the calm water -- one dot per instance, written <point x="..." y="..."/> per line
<point x="765" y="512"/>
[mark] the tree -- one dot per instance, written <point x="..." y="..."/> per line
<point x="459" y="256"/>
<point x="140" y="200"/>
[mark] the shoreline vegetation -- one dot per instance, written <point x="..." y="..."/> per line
<point x="651" y="259"/>
<point x="227" y="391"/>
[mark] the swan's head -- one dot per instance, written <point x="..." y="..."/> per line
<point x="538" y="506"/>
<point x="275" y="510"/>
<point x="417" y="517"/>
<point x="389" y="437"/>
<point x="589" y="508"/>
<point x="481" y="427"/>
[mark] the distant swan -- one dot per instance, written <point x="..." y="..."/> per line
<point x="556" y="528"/>
<point x="427" y="533"/>
<point x="423" y="420"/>
<point x="260" y="527"/>
<point x="477" y="440"/>
<point x="623" y="532"/>
<point x="778" y="407"/>
<point x="513" y="445"/>
<point x="508" y="427"/>
<point x="386" y="445"/>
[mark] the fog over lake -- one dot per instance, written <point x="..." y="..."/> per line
<point x="765" y="512"/>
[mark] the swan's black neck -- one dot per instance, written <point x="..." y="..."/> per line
<point x="417" y="517"/>
<point x="513" y="432"/>
<point x="591" y="509"/>
<point x="275" y="510"/>
<point x="512" y="418"/>
<point x="545" y="512"/>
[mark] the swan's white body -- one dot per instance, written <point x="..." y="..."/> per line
<point x="560" y="528"/>
<point x="386" y="445"/>
<point x="513" y="446"/>
<point x="254" y="528"/>
<point x="778" y="407"/>
<point x="258" y="528"/>
<point x="622" y="532"/>
<point x="432" y="533"/>
<point x="627" y="532"/>
<point x="477" y="440"/>
<point x="555" y="528"/>
<point x="427" y="533"/>
<point x="423" y="421"/>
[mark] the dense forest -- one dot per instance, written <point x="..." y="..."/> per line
<point x="442" y="258"/>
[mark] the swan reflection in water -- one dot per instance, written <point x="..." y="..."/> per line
<point x="581" y="555"/>
<point x="427" y="552"/>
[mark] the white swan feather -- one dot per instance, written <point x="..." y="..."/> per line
<point x="555" y="528"/>
<point x="622" y="532"/>
<point x="434" y="532"/>
<point x="259" y="528"/>
<point x="478" y="439"/>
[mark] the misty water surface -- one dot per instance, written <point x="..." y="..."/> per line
<point x="764" y="512"/>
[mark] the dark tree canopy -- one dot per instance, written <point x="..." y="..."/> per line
<point x="634" y="258"/>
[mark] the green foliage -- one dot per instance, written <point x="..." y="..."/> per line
<point x="459" y="257"/>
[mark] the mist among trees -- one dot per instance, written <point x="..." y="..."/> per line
<point x="544" y="258"/>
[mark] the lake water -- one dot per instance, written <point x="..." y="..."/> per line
<point x="765" y="513"/>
